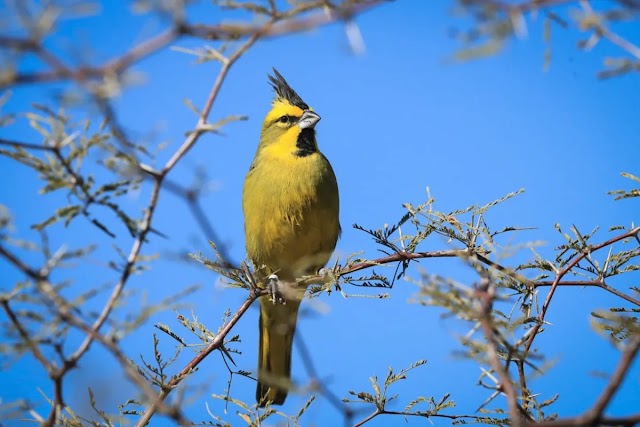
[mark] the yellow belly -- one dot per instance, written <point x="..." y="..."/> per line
<point x="291" y="214"/>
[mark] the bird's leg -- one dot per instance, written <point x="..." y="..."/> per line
<point x="274" y="288"/>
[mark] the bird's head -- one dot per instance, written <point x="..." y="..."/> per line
<point x="289" y="125"/>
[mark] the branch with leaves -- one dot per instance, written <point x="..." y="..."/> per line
<point x="494" y="22"/>
<point x="65" y="145"/>
<point x="43" y="311"/>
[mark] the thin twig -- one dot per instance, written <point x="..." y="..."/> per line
<point x="590" y="283"/>
<point x="595" y="415"/>
<point x="213" y="93"/>
<point x="128" y="269"/>
<point x="35" y="350"/>
<point x="25" y="145"/>
<point x="540" y="320"/>
<point x="418" y="414"/>
<point x="215" y="344"/>
<point x="486" y="295"/>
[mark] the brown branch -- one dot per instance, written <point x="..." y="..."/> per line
<point x="82" y="76"/>
<point x="140" y="51"/>
<point x="44" y="361"/>
<point x="25" y="145"/>
<point x="117" y="131"/>
<point x="18" y="43"/>
<point x="593" y="283"/>
<point x="629" y="421"/>
<point x="368" y="418"/>
<point x="215" y="344"/>
<point x="13" y="259"/>
<point x="221" y="32"/>
<point x="594" y="416"/>
<point x="200" y="127"/>
<point x="466" y="253"/>
<point x="112" y="346"/>
<point x="146" y="223"/>
<point x="82" y="73"/>
<point x="523" y="385"/>
<point x="58" y="402"/>
<point x="64" y="309"/>
<point x="202" y="119"/>
<point x="616" y="380"/>
<point x="559" y="275"/>
<point x="128" y="269"/>
<point x="282" y="27"/>
<point x="405" y="256"/>
<point x="417" y="414"/>
<point x="77" y="180"/>
<point x="533" y="5"/>
<point x="486" y="294"/>
<point x="56" y="374"/>
<point x="525" y="6"/>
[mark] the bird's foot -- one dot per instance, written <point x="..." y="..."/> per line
<point x="274" y="289"/>
<point x="327" y="275"/>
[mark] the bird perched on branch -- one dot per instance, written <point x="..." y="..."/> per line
<point x="290" y="203"/>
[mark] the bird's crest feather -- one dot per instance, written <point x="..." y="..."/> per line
<point x="285" y="92"/>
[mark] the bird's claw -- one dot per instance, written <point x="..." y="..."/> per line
<point x="274" y="289"/>
<point x="327" y="275"/>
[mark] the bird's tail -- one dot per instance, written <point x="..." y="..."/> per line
<point x="277" y="327"/>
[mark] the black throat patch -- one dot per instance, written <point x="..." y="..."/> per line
<point x="306" y="143"/>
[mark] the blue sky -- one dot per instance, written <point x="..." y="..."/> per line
<point x="396" y="119"/>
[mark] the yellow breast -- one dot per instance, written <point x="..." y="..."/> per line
<point x="291" y="212"/>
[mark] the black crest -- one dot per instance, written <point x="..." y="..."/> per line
<point x="284" y="91"/>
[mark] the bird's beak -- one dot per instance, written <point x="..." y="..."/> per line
<point x="308" y="120"/>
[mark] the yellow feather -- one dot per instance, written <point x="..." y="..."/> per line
<point x="290" y="204"/>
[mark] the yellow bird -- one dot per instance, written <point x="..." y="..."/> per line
<point x="291" y="209"/>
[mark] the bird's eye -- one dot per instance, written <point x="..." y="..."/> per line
<point x="284" y="119"/>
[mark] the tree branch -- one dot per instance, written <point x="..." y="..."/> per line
<point x="215" y="344"/>
<point x="559" y="275"/>
<point x="595" y="415"/>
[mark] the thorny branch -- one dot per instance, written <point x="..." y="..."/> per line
<point x="278" y="23"/>
<point x="485" y="294"/>
<point x="85" y="77"/>
<point x="215" y="344"/>
<point x="564" y="271"/>
<point x="595" y="415"/>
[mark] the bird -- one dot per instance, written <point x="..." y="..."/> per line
<point x="290" y="202"/>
